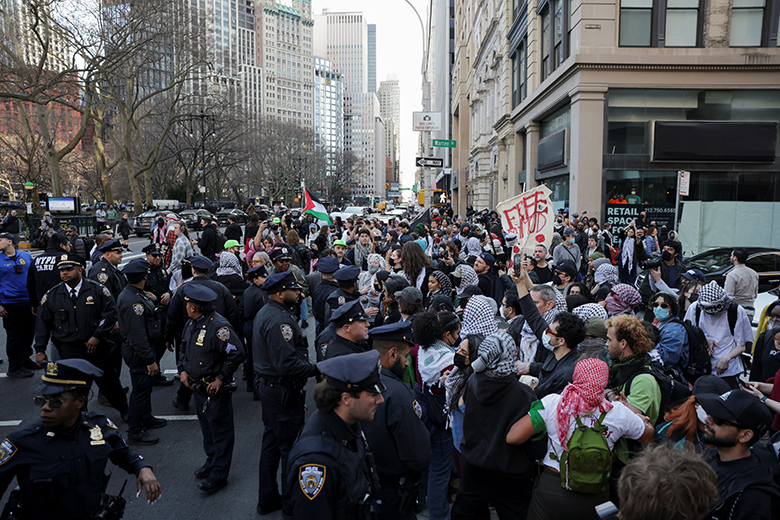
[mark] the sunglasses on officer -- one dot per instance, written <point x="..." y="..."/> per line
<point x="54" y="402"/>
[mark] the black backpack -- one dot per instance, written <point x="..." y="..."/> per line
<point x="673" y="390"/>
<point x="88" y="245"/>
<point x="699" y="361"/>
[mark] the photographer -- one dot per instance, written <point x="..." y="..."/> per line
<point x="666" y="270"/>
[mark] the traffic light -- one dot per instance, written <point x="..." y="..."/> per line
<point x="387" y="185"/>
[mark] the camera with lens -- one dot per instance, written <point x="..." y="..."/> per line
<point x="653" y="263"/>
<point x="441" y="255"/>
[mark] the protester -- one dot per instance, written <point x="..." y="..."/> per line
<point x="673" y="342"/>
<point x="622" y="299"/>
<point x="766" y="350"/>
<point x="742" y="281"/>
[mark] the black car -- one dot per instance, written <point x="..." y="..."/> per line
<point x="142" y="224"/>
<point x="716" y="264"/>
<point x="192" y="216"/>
<point x="241" y="216"/>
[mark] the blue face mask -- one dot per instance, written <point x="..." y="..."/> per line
<point x="661" y="313"/>
<point x="571" y="241"/>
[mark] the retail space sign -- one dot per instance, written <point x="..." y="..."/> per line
<point x="426" y="121"/>
<point x="685" y="183"/>
<point x="621" y="215"/>
<point x="530" y="217"/>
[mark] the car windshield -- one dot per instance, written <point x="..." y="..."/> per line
<point x="353" y="209"/>
<point x="711" y="261"/>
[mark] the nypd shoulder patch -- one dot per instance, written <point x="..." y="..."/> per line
<point x="7" y="450"/>
<point x="324" y="349"/>
<point x="417" y="408"/>
<point x="45" y="297"/>
<point x="106" y="292"/>
<point x="110" y="424"/>
<point x="138" y="309"/>
<point x="287" y="332"/>
<point x="311" y="478"/>
<point x="102" y="277"/>
<point x="223" y="333"/>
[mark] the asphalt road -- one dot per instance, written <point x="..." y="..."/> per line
<point x="179" y="452"/>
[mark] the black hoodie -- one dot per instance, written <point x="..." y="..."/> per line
<point x="746" y="488"/>
<point x="493" y="405"/>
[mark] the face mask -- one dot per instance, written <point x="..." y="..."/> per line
<point x="666" y="255"/>
<point x="437" y="239"/>
<point x="546" y="338"/>
<point x="774" y="326"/>
<point x="661" y="313"/>
<point x="571" y="241"/>
<point x="694" y="297"/>
<point x="559" y="221"/>
<point x="372" y="269"/>
<point x="460" y="361"/>
<point x="701" y="415"/>
<point x="186" y="271"/>
<point x="502" y="312"/>
<point x="391" y="262"/>
<point x="556" y="280"/>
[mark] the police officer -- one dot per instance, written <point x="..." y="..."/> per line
<point x="281" y="369"/>
<point x="327" y="266"/>
<point x="331" y="468"/>
<point x="157" y="284"/>
<point x="253" y="300"/>
<point x="398" y="437"/>
<point x="79" y="315"/>
<point x="350" y="322"/>
<point x="346" y="277"/>
<point x="106" y="272"/>
<point x="43" y="274"/>
<point x="224" y="305"/>
<point x="281" y="256"/>
<point x="139" y="325"/>
<point x="210" y="354"/>
<point x="60" y="460"/>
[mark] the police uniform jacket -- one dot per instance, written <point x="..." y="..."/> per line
<point x="224" y="305"/>
<point x="43" y="273"/>
<point x="139" y="325"/>
<point x="340" y="346"/>
<point x="318" y="297"/>
<point x="61" y="473"/>
<point x="336" y="299"/>
<point x="106" y="274"/>
<point x="328" y="471"/>
<point x="323" y="340"/>
<point x="254" y="300"/>
<point x="280" y="349"/>
<point x="299" y="277"/>
<point x="210" y="347"/>
<point x="158" y="281"/>
<point x="69" y="326"/>
<point x="397" y="436"/>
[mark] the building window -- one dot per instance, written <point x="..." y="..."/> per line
<point x="682" y="23"/>
<point x="545" y="44"/>
<point x="636" y="23"/>
<point x="559" y="50"/>
<point x="747" y="21"/>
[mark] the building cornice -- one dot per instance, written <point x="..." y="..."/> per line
<point x="675" y="67"/>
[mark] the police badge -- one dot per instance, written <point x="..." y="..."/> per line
<point x="96" y="436"/>
<point x="287" y="332"/>
<point x="102" y="277"/>
<point x="311" y="478"/>
<point x="223" y="333"/>
<point x="417" y="408"/>
<point x="342" y="300"/>
<point x="138" y="309"/>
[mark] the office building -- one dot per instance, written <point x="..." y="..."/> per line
<point x="328" y="113"/>
<point x="389" y="94"/>
<point x="372" y="57"/>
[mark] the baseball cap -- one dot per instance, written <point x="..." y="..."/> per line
<point x="694" y="274"/>
<point x="737" y="405"/>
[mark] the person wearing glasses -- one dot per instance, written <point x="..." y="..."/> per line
<point x="60" y="460"/>
<point x="672" y="345"/>
<point x="15" y="307"/>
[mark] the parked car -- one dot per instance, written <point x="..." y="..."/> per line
<point x="241" y="216"/>
<point x="192" y="216"/>
<point x="351" y="212"/>
<point x="716" y="264"/>
<point x="143" y="222"/>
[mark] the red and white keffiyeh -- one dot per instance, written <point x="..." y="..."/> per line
<point x="584" y="395"/>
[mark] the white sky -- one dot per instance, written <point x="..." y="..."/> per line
<point x="399" y="52"/>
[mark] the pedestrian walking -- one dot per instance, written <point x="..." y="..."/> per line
<point x="16" y="308"/>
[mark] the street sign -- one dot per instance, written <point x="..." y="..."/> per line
<point x="393" y="193"/>
<point x="444" y="143"/>
<point x="685" y="183"/>
<point x="436" y="162"/>
<point x="200" y="172"/>
<point x="202" y="189"/>
<point x="401" y="189"/>
<point x="426" y="121"/>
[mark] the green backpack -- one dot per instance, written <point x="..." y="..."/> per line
<point x="586" y="465"/>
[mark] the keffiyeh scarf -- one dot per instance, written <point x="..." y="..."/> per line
<point x="228" y="264"/>
<point x="627" y="298"/>
<point x="432" y="361"/>
<point x="478" y="318"/>
<point x="473" y="247"/>
<point x="590" y="310"/>
<point x="444" y="281"/>
<point x="467" y="277"/>
<point x="606" y="273"/>
<point x="499" y="352"/>
<point x="713" y="299"/>
<point x="361" y="252"/>
<point x="584" y="395"/>
<point x="627" y="256"/>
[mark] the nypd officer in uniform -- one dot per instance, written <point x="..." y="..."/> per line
<point x="331" y="468"/>
<point x="107" y="273"/>
<point x="60" y="460"/>
<point x="139" y="325"/>
<point x="351" y="326"/>
<point x="398" y="437"/>
<point x="253" y="300"/>
<point x="224" y="305"/>
<point x="346" y="277"/>
<point x="210" y="354"/>
<point x="327" y="266"/>
<point x="281" y="362"/>
<point x="78" y="315"/>
<point x="157" y="284"/>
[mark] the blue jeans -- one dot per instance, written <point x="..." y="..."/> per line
<point x="304" y="310"/>
<point x="438" y="479"/>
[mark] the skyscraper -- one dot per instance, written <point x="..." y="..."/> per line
<point x="328" y="113"/>
<point x="389" y="94"/>
<point x="372" y="57"/>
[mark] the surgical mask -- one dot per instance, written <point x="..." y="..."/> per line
<point x="460" y="361"/>
<point x="694" y="297"/>
<point x="661" y="313"/>
<point x="571" y="241"/>
<point x="666" y="255"/>
<point x="546" y="338"/>
<point x="437" y="239"/>
<point x="372" y="269"/>
<point x="701" y="415"/>
<point x="391" y="262"/>
<point x="502" y="312"/>
<point x="556" y="280"/>
<point x="774" y="326"/>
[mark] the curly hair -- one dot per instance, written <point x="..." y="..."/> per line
<point x="630" y="328"/>
<point x="414" y="260"/>
<point x="426" y="328"/>
<point x="668" y="299"/>
<point x="665" y="482"/>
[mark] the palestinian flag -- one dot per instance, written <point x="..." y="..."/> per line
<point x="315" y="207"/>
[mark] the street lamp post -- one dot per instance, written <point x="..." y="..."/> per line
<point x="301" y="164"/>
<point x="28" y="187"/>
<point x="202" y="118"/>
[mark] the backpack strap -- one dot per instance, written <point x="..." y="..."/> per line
<point x="698" y="314"/>
<point x="644" y="370"/>
<point x="732" y="314"/>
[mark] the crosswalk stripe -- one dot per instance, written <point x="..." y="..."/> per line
<point x="171" y="371"/>
<point x="178" y="417"/>
<point x="11" y="423"/>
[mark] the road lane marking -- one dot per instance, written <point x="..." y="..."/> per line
<point x="171" y="371"/>
<point x="11" y="423"/>
<point x="178" y="417"/>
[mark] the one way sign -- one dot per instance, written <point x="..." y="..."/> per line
<point x="435" y="162"/>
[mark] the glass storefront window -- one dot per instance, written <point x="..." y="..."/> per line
<point x="641" y="187"/>
<point x="560" y="191"/>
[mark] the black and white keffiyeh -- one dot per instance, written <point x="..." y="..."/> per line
<point x="590" y="310"/>
<point x="478" y="318"/>
<point x="606" y="273"/>
<point x="713" y="299"/>
<point x="228" y="264"/>
<point x="497" y="355"/>
<point x="467" y="277"/>
<point x="444" y="281"/>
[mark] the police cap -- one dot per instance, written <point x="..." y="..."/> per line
<point x="347" y="274"/>
<point x="200" y="262"/>
<point x="280" y="281"/>
<point x="328" y="264"/>
<point x="348" y="313"/>
<point x="111" y="245"/>
<point x="137" y="266"/>
<point x="69" y="260"/>
<point x="281" y="253"/>
<point x="258" y="270"/>
<point x="151" y="249"/>
<point x="353" y="372"/>
<point x="398" y="331"/>
<point x="198" y="293"/>
<point x="67" y="374"/>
